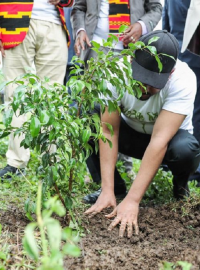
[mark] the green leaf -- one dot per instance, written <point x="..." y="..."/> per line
<point x="123" y="28"/>
<point x="109" y="126"/>
<point x="2" y="256"/>
<point x="52" y="134"/>
<point x="160" y="66"/>
<point x="67" y="233"/>
<point x="45" y="160"/>
<point x="4" y="134"/>
<point x="95" y="44"/>
<point x="32" y="81"/>
<point x="168" y="56"/>
<point x="29" y="242"/>
<point x="111" y="106"/>
<point x="112" y="38"/>
<point x="2" y="85"/>
<point x="35" y="126"/>
<point x="36" y="96"/>
<point x="71" y="250"/>
<point x="54" y="232"/>
<point x="153" y="39"/>
<point x="7" y="117"/>
<point x="152" y="49"/>
<point x="44" y="117"/>
<point x="2" y="267"/>
<point x="55" y="206"/>
<point x="139" y="44"/>
<point x="0" y="229"/>
<point x="28" y="215"/>
<point x="103" y="85"/>
<point x="185" y="265"/>
<point x="15" y="104"/>
<point x="167" y="266"/>
<point x="68" y="202"/>
<point x="86" y="135"/>
<point x="109" y="142"/>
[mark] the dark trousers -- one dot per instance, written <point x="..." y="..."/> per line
<point x="196" y="122"/>
<point x="182" y="155"/>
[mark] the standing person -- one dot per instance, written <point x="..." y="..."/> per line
<point x="94" y="20"/>
<point x="71" y="52"/>
<point x="167" y="137"/>
<point x="31" y="32"/>
<point x="174" y="18"/>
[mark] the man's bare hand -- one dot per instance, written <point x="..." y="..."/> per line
<point x="105" y="200"/>
<point x="132" y="34"/>
<point x="127" y="215"/>
<point x="2" y="49"/>
<point x="81" y="39"/>
<point x="54" y="2"/>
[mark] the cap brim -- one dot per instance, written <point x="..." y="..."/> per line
<point x="143" y="75"/>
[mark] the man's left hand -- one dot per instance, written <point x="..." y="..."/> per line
<point x="127" y="215"/>
<point x="132" y="34"/>
<point x="54" y="2"/>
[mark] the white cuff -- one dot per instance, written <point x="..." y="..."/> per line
<point x="80" y="29"/>
<point x="144" y="28"/>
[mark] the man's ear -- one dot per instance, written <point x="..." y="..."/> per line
<point x="171" y="72"/>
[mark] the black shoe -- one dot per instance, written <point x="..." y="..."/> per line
<point x="180" y="188"/>
<point x="92" y="198"/>
<point x="6" y="172"/>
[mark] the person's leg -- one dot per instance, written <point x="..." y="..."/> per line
<point x="196" y="113"/>
<point x="182" y="158"/>
<point x="51" y="51"/>
<point x="196" y="124"/>
<point x="14" y="64"/>
<point x="93" y="163"/>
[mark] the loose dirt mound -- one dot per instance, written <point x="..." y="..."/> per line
<point x="165" y="235"/>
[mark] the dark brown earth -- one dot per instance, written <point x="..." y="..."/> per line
<point x="165" y="235"/>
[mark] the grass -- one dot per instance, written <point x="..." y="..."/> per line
<point x="21" y="192"/>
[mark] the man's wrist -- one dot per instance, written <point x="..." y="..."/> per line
<point x="79" y="30"/>
<point x="107" y="188"/>
<point x="135" y="197"/>
<point x="144" y="28"/>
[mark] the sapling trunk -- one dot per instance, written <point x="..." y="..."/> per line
<point x="40" y="220"/>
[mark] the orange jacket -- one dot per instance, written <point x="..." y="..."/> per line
<point x="15" y="20"/>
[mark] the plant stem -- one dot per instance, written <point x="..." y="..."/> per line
<point x="40" y="220"/>
<point x="68" y="217"/>
<point x="71" y="174"/>
<point x="59" y="195"/>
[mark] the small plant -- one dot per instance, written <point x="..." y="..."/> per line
<point x="59" y="127"/>
<point x="160" y="190"/>
<point x="177" y="265"/>
<point x="47" y="248"/>
<point x="2" y="253"/>
<point x="54" y="120"/>
<point x="193" y="201"/>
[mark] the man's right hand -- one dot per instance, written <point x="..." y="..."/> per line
<point x="105" y="200"/>
<point x="2" y="49"/>
<point x="81" y="39"/>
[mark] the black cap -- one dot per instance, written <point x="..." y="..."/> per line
<point x="145" y="67"/>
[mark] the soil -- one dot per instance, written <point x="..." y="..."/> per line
<point x="165" y="235"/>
